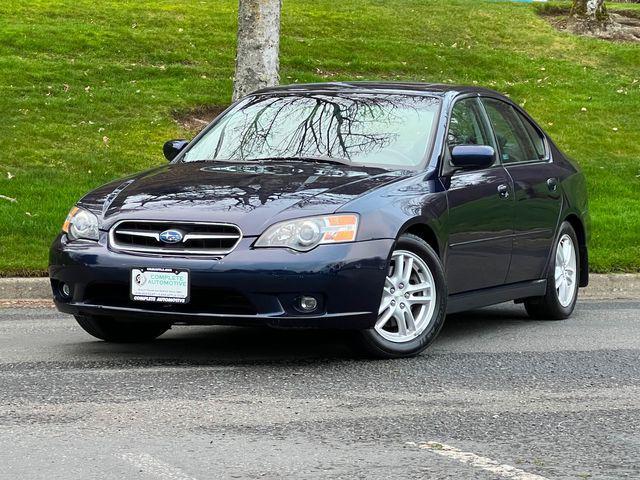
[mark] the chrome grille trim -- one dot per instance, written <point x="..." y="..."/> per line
<point x="175" y="249"/>
<point x="206" y="236"/>
<point x="140" y="233"/>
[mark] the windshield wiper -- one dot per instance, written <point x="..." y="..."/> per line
<point x="331" y="160"/>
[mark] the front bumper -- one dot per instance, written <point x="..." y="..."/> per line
<point x="246" y="287"/>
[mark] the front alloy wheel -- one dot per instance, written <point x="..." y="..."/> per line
<point x="408" y="298"/>
<point x="412" y="305"/>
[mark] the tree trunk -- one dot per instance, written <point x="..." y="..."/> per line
<point x="592" y="11"/>
<point x="257" y="61"/>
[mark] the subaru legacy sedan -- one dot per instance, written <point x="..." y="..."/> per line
<point x="373" y="207"/>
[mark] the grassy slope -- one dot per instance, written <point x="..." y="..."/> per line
<point x="623" y="6"/>
<point x="72" y="72"/>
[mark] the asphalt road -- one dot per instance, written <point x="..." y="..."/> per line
<point x="498" y="395"/>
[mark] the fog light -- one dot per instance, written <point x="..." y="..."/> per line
<point x="66" y="290"/>
<point x="307" y="304"/>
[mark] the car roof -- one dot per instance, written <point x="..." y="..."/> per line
<point x="437" y="89"/>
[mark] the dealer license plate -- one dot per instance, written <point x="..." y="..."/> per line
<point x="165" y="285"/>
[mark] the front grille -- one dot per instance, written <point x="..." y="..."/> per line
<point x="197" y="238"/>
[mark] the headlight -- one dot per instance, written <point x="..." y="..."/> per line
<point x="303" y="234"/>
<point x="81" y="223"/>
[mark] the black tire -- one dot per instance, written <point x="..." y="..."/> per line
<point x="110" y="330"/>
<point x="548" y="307"/>
<point x="371" y="343"/>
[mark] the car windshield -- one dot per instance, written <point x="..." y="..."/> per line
<point x="386" y="130"/>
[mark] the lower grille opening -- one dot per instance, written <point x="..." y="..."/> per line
<point x="202" y="300"/>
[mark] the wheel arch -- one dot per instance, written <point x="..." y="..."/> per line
<point x="426" y="233"/>
<point x="579" y="228"/>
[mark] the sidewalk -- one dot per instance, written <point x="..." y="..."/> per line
<point x="608" y="286"/>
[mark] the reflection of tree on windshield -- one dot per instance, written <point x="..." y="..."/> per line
<point x="331" y="127"/>
<point x="391" y="129"/>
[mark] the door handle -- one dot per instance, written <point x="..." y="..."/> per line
<point x="503" y="191"/>
<point x="552" y="184"/>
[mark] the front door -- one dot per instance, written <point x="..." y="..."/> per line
<point x="480" y="220"/>
<point x="524" y="153"/>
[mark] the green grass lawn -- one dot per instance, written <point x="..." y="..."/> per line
<point x="88" y="89"/>
<point x="623" y="6"/>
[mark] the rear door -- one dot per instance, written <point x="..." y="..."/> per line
<point x="525" y="155"/>
<point x="480" y="221"/>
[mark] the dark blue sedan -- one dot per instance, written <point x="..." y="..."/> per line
<point x="374" y="207"/>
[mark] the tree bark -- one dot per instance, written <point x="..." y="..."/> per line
<point x="589" y="11"/>
<point x="257" y="54"/>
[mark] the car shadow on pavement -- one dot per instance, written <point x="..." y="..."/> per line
<point x="486" y="322"/>
<point x="222" y="345"/>
<point x="216" y="345"/>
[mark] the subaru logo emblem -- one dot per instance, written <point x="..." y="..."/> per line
<point x="171" y="236"/>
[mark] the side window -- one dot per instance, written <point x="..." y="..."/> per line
<point x="465" y="126"/>
<point x="513" y="139"/>
<point x="535" y="136"/>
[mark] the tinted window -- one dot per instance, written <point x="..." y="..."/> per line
<point x="535" y="136"/>
<point x="465" y="126"/>
<point x="360" y="129"/>
<point x="513" y="139"/>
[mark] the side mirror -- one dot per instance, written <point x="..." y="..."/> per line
<point x="172" y="148"/>
<point x="472" y="156"/>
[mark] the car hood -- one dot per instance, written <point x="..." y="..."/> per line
<point x="250" y="195"/>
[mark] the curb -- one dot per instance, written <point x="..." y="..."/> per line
<point x="608" y="286"/>
<point x="17" y="288"/>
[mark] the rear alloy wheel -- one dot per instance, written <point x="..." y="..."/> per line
<point x="412" y="307"/>
<point x="565" y="271"/>
<point x="110" y="330"/>
<point x="562" y="282"/>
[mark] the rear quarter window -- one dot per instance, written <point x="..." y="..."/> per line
<point x="518" y="140"/>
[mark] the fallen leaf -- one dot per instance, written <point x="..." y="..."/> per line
<point x="10" y="175"/>
<point x="105" y="139"/>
